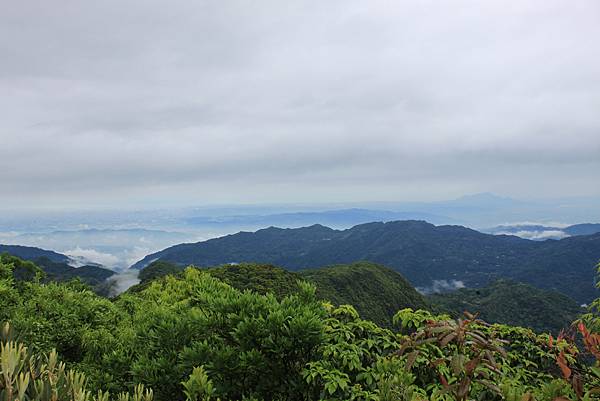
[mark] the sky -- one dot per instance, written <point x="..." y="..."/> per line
<point x="136" y="103"/>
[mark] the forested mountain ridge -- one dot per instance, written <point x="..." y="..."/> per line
<point x="420" y="251"/>
<point x="56" y="265"/>
<point x="376" y="292"/>
<point x="32" y="253"/>
<point x="513" y="303"/>
<point x="583" y="229"/>
<point x="90" y="274"/>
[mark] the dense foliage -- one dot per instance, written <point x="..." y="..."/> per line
<point x="158" y="269"/>
<point x="27" y="376"/>
<point x="513" y="303"/>
<point x="376" y="292"/>
<point x="194" y="337"/>
<point x="420" y="251"/>
<point x="262" y="279"/>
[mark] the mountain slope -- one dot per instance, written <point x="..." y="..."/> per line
<point x="32" y="253"/>
<point x="376" y="292"/>
<point x="513" y="303"/>
<point x="89" y="274"/>
<point x="56" y="265"/>
<point x="259" y="278"/>
<point x="583" y="229"/>
<point x="420" y="251"/>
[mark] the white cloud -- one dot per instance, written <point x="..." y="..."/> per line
<point x="438" y="286"/>
<point x="122" y="281"/>
<point x="541" y="235"/>
<point x="8" y="235"/>
<point x="537" y="235"/>
<point x="92" y="255"/>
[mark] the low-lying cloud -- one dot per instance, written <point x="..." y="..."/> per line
<point x="120" y="282"/>
<point x="440" y="286"/>
<point x="538" y="235"/>
<point x="91" y="255"/>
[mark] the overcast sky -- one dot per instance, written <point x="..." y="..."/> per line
<point x="127" y="103"/>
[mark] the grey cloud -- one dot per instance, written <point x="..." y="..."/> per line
<point x="331" y="99"/>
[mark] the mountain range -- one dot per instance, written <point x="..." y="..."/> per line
<point x="59" y="267"/>
<point x="32" y="253"/>
<point x="376" y="291"/>
<point x="420" y="251"/>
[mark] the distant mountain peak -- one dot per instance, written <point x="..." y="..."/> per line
<point x="486" y="198"/>
<point x="483" y="195"/>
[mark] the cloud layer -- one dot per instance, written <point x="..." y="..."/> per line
<point x="196" y="102"/>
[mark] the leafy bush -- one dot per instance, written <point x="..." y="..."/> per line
<point x="31" y="377"/>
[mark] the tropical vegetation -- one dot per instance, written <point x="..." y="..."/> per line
<point x="513" y="303"/>
<point x="195" y="337"/>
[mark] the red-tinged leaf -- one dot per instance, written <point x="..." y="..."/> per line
<point x="447" y="339"/>
<point x="582" y="328"/>
<point x="562" y="364"/>
<point x="471" y="365"/>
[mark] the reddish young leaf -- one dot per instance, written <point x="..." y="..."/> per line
<point x="564" y="367"/>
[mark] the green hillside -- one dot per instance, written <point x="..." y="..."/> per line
<point x="262" y="279"/>
<point x="513" y="303"/>
<point x="194" y="337"/>
<point x="158" y="269"/>
<point x="94" y="276"/>
<point x="245" y="276"/>
<point x="376" y="292"/>
<point x="54" y="265"/>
